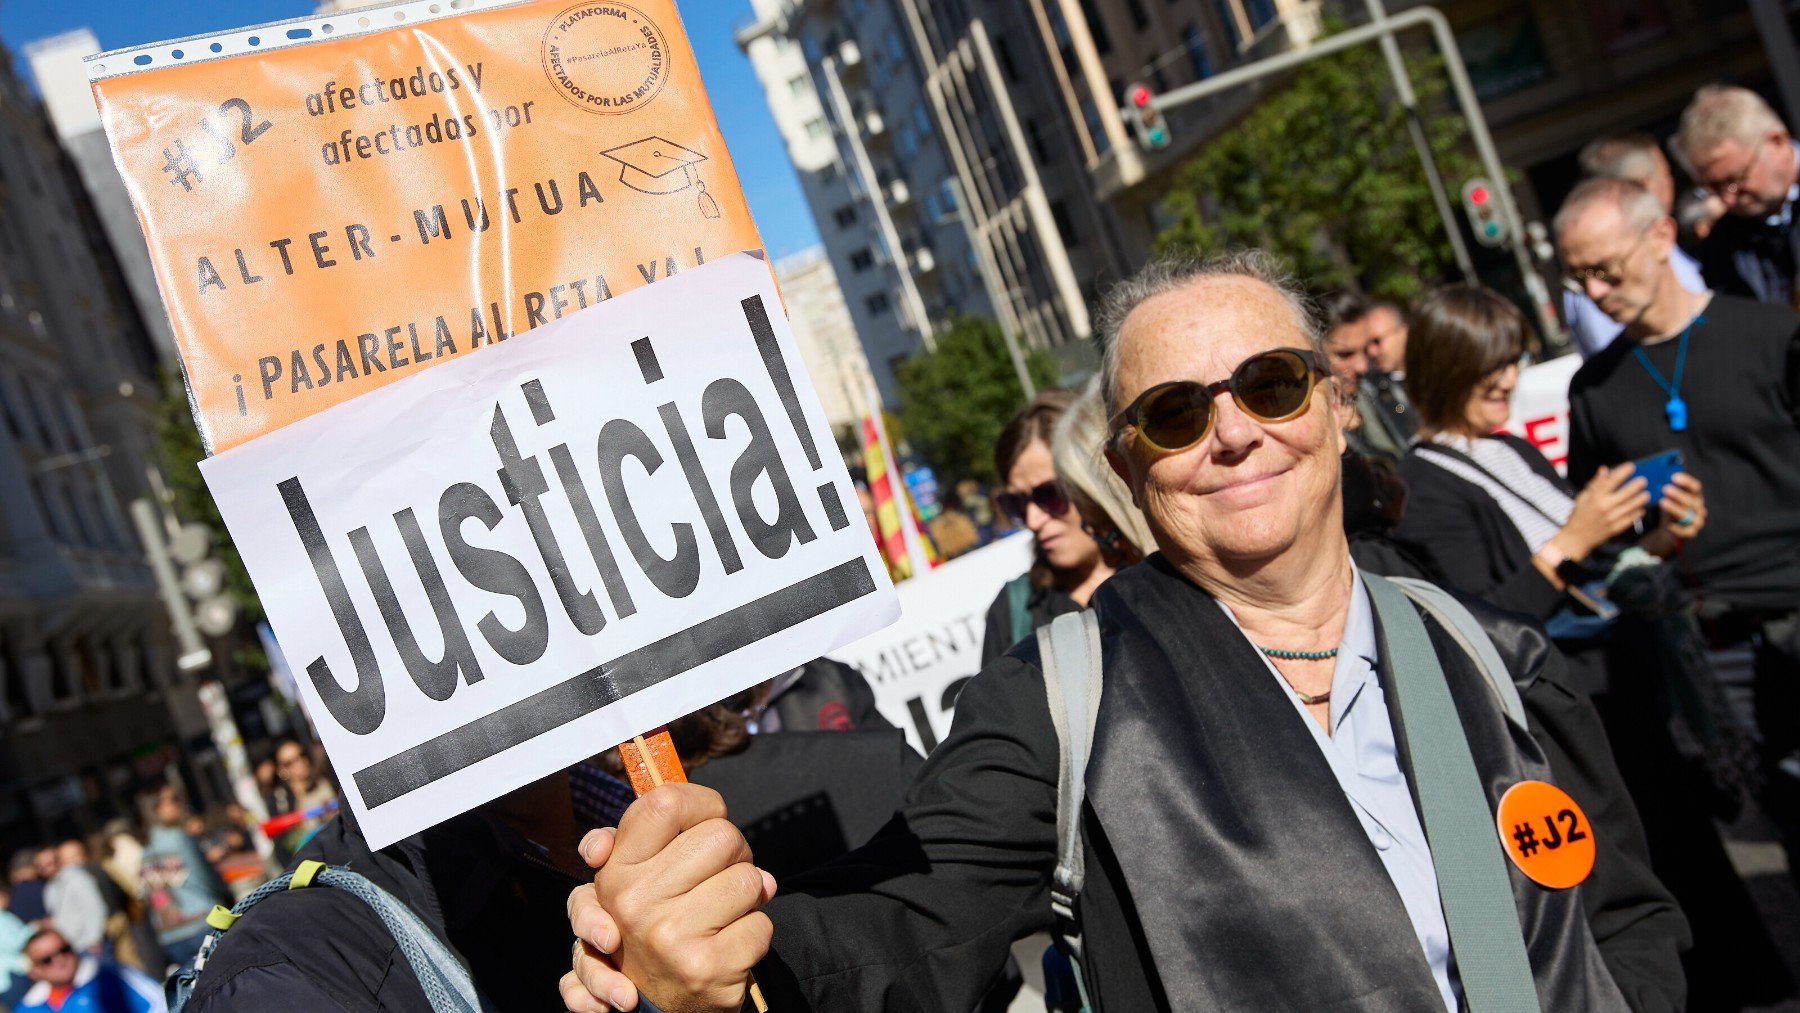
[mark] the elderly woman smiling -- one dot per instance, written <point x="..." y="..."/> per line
<point x="1250" y="831"/>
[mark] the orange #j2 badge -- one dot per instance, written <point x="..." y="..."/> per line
<point x="1546" y="834"/>
<point x="333" y="202"/>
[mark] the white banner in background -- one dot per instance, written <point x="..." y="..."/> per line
<point x="1540" y="408"/>
<point x="489" y="570"/>
<point x="917" y="665"/>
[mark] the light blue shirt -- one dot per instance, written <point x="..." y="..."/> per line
<point x="1589" y="326"/>
<point x="1366" y="761"/>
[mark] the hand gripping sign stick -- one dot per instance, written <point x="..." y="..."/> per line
<point x="650" y="760"/>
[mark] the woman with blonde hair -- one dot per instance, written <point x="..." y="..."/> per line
<point x="1077" y="446"/>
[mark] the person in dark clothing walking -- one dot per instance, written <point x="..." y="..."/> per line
<point x="1717" y="378"/>
<point x="1493" y="513"/>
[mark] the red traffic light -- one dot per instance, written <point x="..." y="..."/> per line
<point x="1478" y="195"/>
<point x="1140" y="96"/>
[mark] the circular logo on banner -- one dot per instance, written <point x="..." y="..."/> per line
<point x="1546" y="834"/>
<point x="607" y="58"/>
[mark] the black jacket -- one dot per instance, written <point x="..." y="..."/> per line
<point x="1225" y="868"/>
<point x="1042" y="604"/>
<point x="468" y="879"/>
<point x="1466" y="534"/>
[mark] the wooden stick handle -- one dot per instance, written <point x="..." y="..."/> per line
<point x="650" y="760"/>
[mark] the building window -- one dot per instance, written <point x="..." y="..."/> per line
<point x="800" y="85"/>
<point x="1065" y="227"/>
<point x="844" y="216"/>
<point x="816" y="128"/>
<point x="828" y="173"/>
<point x="1228" y="18"/>
<point x="861" y="260"/>
<point x="1139" y="19"/>
<point x="1196" y="51"/>
<point x="877" y="303"/>
<point x="921" y="117"/>
<point x="1096" y="27"/>
<point x="896" y="49"/>
<point x="1102" y="144"/>
<point x="1003" y="53"/>
<point x="1260" y="12"/>
<point x="1034" y="136"/>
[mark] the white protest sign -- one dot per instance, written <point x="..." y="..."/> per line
<point x="917" y="665"/>
<point x="494" y="568"/>
<point x="1540" y="408"/>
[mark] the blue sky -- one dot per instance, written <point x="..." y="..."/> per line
<point x="774" y="193"/>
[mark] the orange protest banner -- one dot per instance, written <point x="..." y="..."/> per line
<point x="409" y="184"/>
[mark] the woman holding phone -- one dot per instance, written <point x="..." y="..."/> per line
<point x="1488" y="507"/>
<point x="1503" y="526"/>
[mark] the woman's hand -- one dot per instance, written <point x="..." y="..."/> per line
<point x="1683" y="510"/>
<point x="1612" y="502"/>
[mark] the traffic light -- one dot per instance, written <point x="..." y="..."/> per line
<point x="1482" y="205"/>
<point x="1146" y="120"/>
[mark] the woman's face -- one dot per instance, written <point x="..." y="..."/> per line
<point x="1490" y="403"/>
<point x="1059" y="538"/>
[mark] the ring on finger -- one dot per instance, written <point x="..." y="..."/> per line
<point x="1687" y="519"/>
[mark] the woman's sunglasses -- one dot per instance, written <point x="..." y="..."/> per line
<point x="1050" y="497"/>
<point x="1272" y="386"/>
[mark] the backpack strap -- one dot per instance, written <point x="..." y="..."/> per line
<point x="1018" y="592"/>
<point x="1069" y="651"/>
<point x="1472" y="878"/>
<point x="441" y="972"/>
<point x="1466" y="630"/>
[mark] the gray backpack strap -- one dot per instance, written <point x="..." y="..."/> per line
<point x="1069" y="653"/>
<point x="1466" y="630"/>
<point x="1473" y="882"/>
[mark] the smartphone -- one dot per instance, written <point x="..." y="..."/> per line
<point x="1657" y="470"/>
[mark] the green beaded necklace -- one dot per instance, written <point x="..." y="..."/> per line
<point x="1276" y="652"/>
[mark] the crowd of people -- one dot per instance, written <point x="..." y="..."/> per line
<point x="1232" y="744"/>
<point x="95" y="925"/>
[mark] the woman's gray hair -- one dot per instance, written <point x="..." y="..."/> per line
<point x="1168" y="273"/>
<point x="1079" y="449"/>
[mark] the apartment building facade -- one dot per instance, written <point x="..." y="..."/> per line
<point x="87" y="669"/>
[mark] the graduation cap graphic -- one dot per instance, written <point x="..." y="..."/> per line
<point x="656" y="165"/>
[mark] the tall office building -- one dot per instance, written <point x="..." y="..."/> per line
<point x="826" y="335"/>
<point x="69" y="100"/>
<point x="87" y="669"/>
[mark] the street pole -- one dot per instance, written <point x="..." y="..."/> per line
<point x="1415" y="126"/>
<point x="865" y="172"/>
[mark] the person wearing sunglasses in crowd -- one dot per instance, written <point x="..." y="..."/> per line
<point x="1491" y="512"/>
<point x="1250" y="837"/>
<point x="1735" y="147"/>
<point x="67" y="982"/>
<point x="1066" y="565"/>
<point x="1717" y="379"/>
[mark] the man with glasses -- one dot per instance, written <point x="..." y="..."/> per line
<point x="1251" y="837"/>
<point x="1716" y="377"/>
<point x="1734" y="145"/>
<point x="67" y="982"/>
<point x="1634" y="158"/>
<point x="1356" y="333"/>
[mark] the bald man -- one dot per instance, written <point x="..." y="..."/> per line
<point x="1634" y="158"/>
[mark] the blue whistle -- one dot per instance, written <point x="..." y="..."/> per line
<point x="1676" y="410"/>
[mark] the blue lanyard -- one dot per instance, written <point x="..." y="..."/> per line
<point x="1674" y="408"/>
